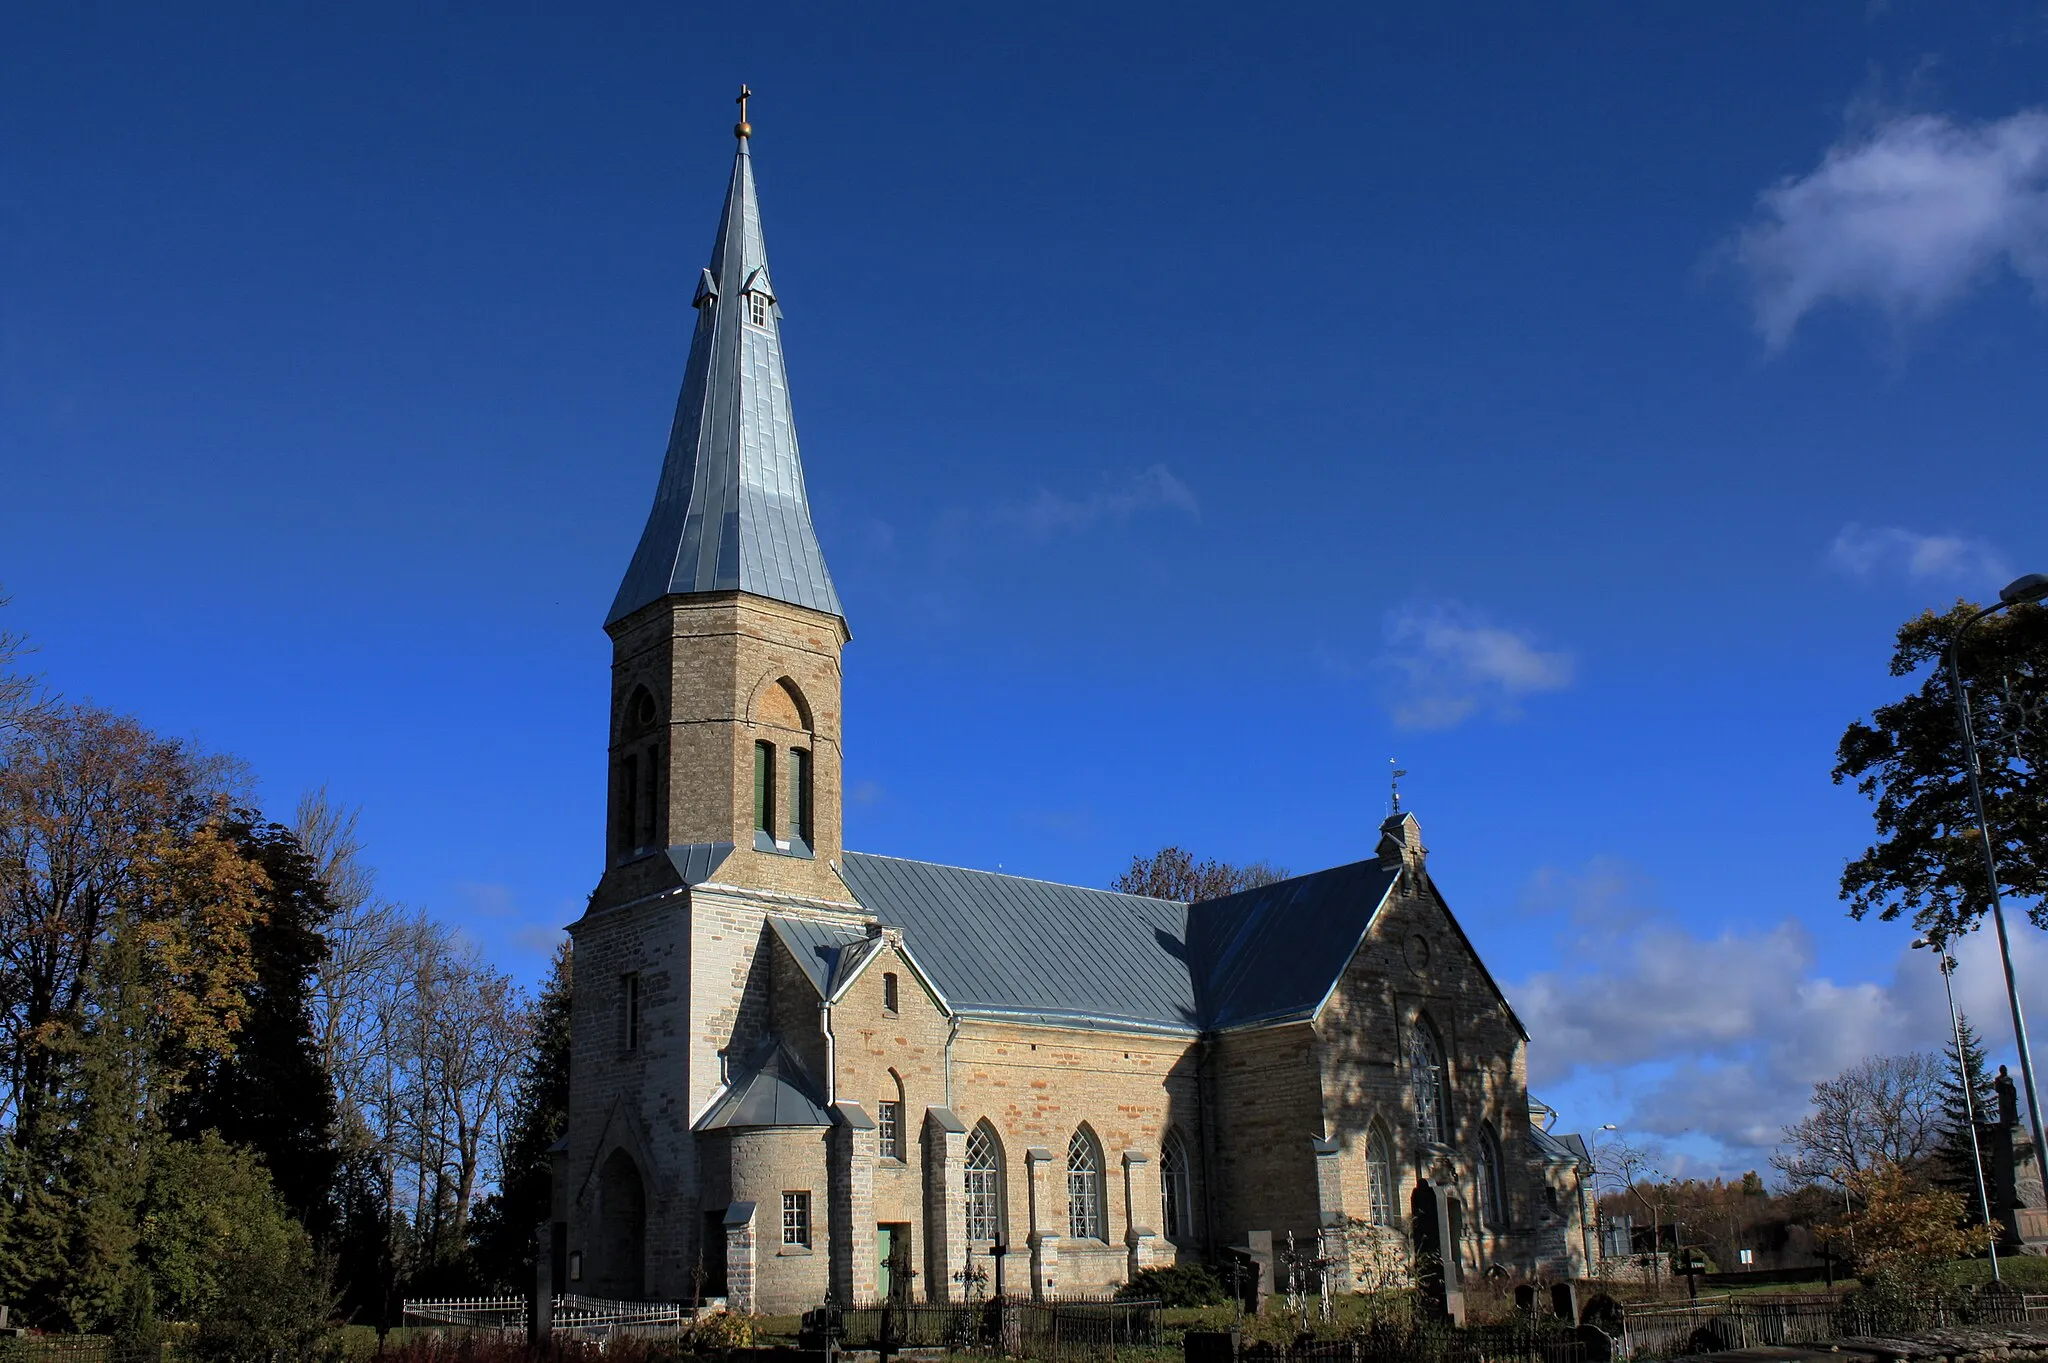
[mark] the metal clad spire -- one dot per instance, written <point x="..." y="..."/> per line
<point x="730" y="513"/>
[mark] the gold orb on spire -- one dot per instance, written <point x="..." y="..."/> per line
<point x="743" y="129"/>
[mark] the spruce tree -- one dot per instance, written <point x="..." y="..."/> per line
<point x="1953" y="1160"/>
<point x="503" y="1227"/>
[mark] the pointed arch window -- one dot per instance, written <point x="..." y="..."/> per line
<point x="1379" y="1175"/>
<point x="1493" y="1193"/>
<point x="891" y="1138"/>
<point x="1176" y="1200"/>
<point x="1428" y="1082"/>
<point x="1086" y="1216"/>
<point x="984" y="1184"/>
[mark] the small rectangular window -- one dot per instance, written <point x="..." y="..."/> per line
<point x="629" y="994"/>
<point x="891" y="1128"/>
<point x="890" y="997"/>
<point x="764" y="788"/>
<point x="800" y="794"/>
<point x="757" y="309"/>
<point x="796" y="1219"/>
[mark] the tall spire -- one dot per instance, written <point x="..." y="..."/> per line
<point x="730" y="512"/>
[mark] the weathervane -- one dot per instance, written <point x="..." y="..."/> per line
<point x="743" y="128"/>
<point x="1394" y="783"/>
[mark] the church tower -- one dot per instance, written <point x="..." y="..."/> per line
<point x="726" y="632"/>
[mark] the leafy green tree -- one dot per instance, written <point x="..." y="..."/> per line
<point x="1953" y="1158"/>
<point x="1173" y="873"/>
<point x="1908" y="759"/>
<point x="504" y="1225"/>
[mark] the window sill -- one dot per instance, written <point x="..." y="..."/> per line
<point x="793" y="1252"/>
<point x="793" y="847"/>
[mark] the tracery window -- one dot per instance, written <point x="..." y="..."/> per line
<point x="984" y="1184"/>
<point x="1176" y="1203"/>
<point x="1429" y="1083"/>
<point x="1085" y="1218"/>
<point x="1379" y="1176"/>
<point x="1493" y="1197"/>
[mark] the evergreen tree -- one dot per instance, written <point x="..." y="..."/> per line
<point x="1964" y="1073"/>
<point x="270" y="1093"/>
<point x="504" y="1226"/>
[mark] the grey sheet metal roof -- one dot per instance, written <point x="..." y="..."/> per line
<point x="1556" y="1149"/>
<point x="697" y="862"/>
<point x="1029" y="948"/>
<point x="773" y="1091"/>
<point x="1272" y="954"/>
<point x="828" y="952"/>
<point x="730" y="512"/>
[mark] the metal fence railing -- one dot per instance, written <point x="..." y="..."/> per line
<point x="572" y="1315"/>
<point x="1404" y="1342"/>
<point x="1662" y="1330"/>
<point x="1068" y="1329"/>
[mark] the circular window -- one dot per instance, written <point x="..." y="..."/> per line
<point x="1418" y="953"/>
<point x="643" y="709"/>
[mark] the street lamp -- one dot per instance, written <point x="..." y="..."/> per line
<point x="1948" y="964"/>
<point x="2032" y="587"/>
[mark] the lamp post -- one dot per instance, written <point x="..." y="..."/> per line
<point x="1948" y="964"/>
<point x="2032" y="587"/>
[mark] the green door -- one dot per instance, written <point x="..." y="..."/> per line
<point x="885" y="1251"/>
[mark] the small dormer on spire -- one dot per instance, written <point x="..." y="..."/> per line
<point x="730" y="512"/>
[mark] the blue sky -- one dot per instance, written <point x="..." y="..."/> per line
<point x="1200" y="405"/>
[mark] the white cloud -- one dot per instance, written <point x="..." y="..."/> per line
<point x="1449" y="665"/>
<point x="1907" y="218"/>
<point x="1114" y="499"/>
<point x="1715" y="1039"/>
<point x="1873" y="551"/>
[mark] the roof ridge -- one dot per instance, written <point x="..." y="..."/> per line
<point x="1032" y="880"/>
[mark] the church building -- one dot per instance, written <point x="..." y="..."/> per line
<point x="797" y="1068"/>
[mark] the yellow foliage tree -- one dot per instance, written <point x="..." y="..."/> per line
<point x="1906" y="1232"/>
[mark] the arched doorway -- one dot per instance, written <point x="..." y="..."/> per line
<point x="622" y="1230"/>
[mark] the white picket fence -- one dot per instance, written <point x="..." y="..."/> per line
<point x="574" y="1315"/>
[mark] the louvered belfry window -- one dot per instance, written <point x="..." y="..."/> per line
<point x="764" y="788"/>
<point x="1084" y="1188"/>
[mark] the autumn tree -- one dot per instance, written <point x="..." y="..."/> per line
<point x="1906" y="1233"/>
<point x="18" y="689"/>
<point x="1885" y="1110"/>
<point x="1173" y="873"/>
<point x="1908" y="758"/>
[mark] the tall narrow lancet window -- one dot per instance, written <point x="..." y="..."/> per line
<point x="637" y="808"/>
<point x="1429" y="1083"/>
<point x="800" y="795"/>
<point x="1493" y="1193"/>
<point x="1379" y="1176"/>
<point x="1176" y="1200"/>
<point x="984" y="1185"/>
<point x="764" y="788"/>
<point x="1086" y="1216"/>
<point x="629" y="802"/>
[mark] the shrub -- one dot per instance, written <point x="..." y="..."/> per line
<point x="722" y="1330"/>
<point x="1181" y="1285"/>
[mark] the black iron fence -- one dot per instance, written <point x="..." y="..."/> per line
<point x="1070" y="1329"/>
<point x="1406" y="1342"/>
<point x="1661" y="1330"/>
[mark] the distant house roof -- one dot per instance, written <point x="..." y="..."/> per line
<point x="773" y="1090"/>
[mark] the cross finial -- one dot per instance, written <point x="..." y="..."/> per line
<point x="1394" y="783"/>
<point x="743" y="128"/>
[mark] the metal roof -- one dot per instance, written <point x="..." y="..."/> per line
<point x="773" y="1091"/>
<point x="828" y="952"/>
<point x="1273" y="953"/>
<point x="1007" y="945"/>
<point x="730" y="512"/>
<point x="697" y="862"/>
<point x="1028" y="948"/>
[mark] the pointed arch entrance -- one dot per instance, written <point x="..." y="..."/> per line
<point x="622" y="1229"/>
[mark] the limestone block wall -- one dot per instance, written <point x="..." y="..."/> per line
<point x="760" y="1166"/>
